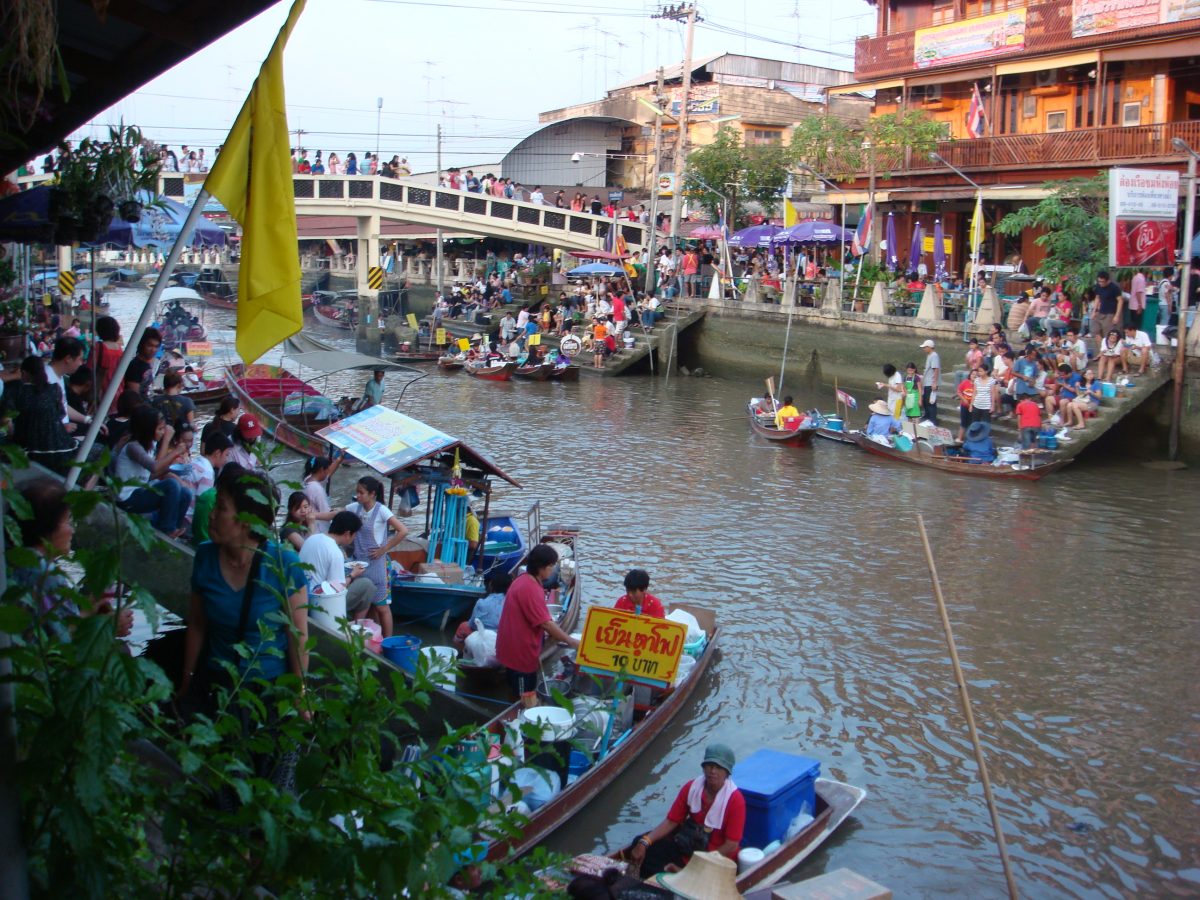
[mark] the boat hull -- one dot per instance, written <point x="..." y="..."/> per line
<point x="573" y="798"/>
<point x="491" y="373"/>
<point x="801" y="437"/>
<point x="568" y="373"/>
<point x="534" y="373"/>
<point x="325" y="317"/>
<point x="450" y="365"/>
<point x="956" y="466"/>
<point x="292" y="432"/>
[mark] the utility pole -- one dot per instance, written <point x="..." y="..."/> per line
<point x="678" y="14"/>
<point x="651" y="248"/>
<point x="874" y="235"/>
<point x="438" y="259"/>
<point x="1185" y="290"/>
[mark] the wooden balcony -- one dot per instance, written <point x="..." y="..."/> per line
<point x="1083" y="147"/>
<point x="1047" y="30"/>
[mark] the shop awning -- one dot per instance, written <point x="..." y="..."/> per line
<point x="1047" y="62"/>
<point x="865" y="86"/>
<point x="1189" y="46"/>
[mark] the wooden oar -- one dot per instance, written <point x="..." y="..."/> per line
<point x="965" y="700"/>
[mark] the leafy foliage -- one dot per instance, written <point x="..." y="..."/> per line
<point x="119" y="797"/>
<point x="743" y="174"/>
<point x="1073" y="220"/>
<point x="835" y="148"/>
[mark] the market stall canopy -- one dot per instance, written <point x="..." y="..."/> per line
<point x="160" y="226"/>
<point x="597" y="269"/>
<point x="180" y="293"/>
<point x="108" y="50"/>
<point x="755" y="236"/>
<point x="813" y="231"/>
<point x="25" y="217"/>
<point x="389" y="441"/>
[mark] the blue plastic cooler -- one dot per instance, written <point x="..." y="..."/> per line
<point x="777" y="787"/>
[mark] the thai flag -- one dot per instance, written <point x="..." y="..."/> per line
<point x="862" y="234"/>
<point x="976" y="118"/>
<point x="847" y="399"/>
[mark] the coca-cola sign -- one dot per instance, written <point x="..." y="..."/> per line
<point x="1144" y="242"/>
<point x="1143" y="209"/>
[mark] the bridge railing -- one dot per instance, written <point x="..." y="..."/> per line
<point x="468" y="205"/>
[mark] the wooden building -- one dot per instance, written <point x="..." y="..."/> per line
<point x="1068" y="88"/>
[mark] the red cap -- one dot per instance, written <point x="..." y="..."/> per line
<point x="248" y="427"/>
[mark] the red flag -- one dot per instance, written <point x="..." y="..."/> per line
<point x="976" y="117"/>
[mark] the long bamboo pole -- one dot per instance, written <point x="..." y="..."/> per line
<point x="965" y="700"/>
<point x="131" y="343"/>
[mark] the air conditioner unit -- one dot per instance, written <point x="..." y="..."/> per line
<point x="933" y="93"/>
<point x="1046" y="78"/>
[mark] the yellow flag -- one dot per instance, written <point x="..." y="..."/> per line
<point x="790" y="216"/>
<point x="252" y="177"/>
<point x="977" y="225"/>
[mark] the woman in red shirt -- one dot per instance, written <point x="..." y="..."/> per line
<point x="709" y="813"/>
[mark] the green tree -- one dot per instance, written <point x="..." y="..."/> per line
<point x="755" y="174"/>
<point x="1073" y="221"/>
<point x="835" y="148"/>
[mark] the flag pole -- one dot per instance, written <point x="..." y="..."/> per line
<point x="131" y="344"/>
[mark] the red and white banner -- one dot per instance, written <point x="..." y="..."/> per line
<point x="1143" y="210"/>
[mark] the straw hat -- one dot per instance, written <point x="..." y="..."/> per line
<point x="707" y="876"/>
<point x="880" y="407"/>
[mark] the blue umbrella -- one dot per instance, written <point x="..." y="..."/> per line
<point x="916" y="251"/>
<point x="160" y="226"/>
<point x="939" y="250"/>
<point x="813" y="231"/>
<point x="597" y="269"/>
<point x="893" y="259"/>
<point x="755" y="235"/>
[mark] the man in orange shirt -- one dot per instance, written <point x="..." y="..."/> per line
<point x="599" y="346"/>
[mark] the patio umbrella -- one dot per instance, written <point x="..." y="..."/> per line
<point x="597" y="269"/>
<point x="812" y="231"/>
<point x="939" y="250"/>
<point x="916" y="252"/>
<point x="705" y="233"/>
<point x="755" y="235"/>
<point x="893" y="259"/>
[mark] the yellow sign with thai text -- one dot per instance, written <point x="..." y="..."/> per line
<point x="464" y="344"/>
<point x="640" y="648"/>
<point x="440" y="337"/>
<point x="412" y="321"/>
<point x="198" y="348"/>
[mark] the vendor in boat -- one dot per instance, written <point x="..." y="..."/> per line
<point x="709" y="814"/>
<point x="882" y="423"/>
<point x="372" y="394"/>
<point x="978" y="447"/>
<point x="637" y="598"/>
<point x="523" y="622"/>
<point x="787" y="411"/>
<point x="372" y="543"/>
<point x="487" y="610"/>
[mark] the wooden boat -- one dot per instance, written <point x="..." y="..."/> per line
<point x="451" y="363"/>
<point x="418" y="357"/>
<point x="835" y="802"/>
<point x="565" y="373"/>
<point x="624" y="750"/>
<point x="537" y="372"/>
<point x="265" y="390"/>
<point x="176" y="323"/>
<point x="837" y="435"/>
<point x="219" y="301"/>
<point x="932" y="458"/>
<point x="502" y="372"/>
<point x="764" y="426"/>
<point x="333" y="316"/>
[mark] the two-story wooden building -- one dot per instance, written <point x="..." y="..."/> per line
<point x="1069" y="87"/>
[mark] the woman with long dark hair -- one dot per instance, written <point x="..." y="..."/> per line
<point x="317" y="472"/>
<point x="144" y="463"/>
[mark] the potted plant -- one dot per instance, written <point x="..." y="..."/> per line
<point x="14" y="321"/>
<point x="97" y="177"/>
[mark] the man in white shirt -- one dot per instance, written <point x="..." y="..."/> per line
<point x="325" y="557"/>
<point x="66" y="357"/>
<point x="508" y="328"/>
<point x="1076" y="350"/>
<point x="1138" y="350"/>
<point x="537" y="196"/>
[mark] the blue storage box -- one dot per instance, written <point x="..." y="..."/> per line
<point x="777" y="787"/>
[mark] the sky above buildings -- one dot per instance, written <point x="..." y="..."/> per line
<point x="484" y="69"/>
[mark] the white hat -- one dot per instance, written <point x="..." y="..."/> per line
<point x="707" y="876"/>
<point x="926" y="343"/>
<point x="880" y="407"/>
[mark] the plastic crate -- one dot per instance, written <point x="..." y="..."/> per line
<point x="777" y="788"/>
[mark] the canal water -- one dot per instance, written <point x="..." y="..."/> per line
<point x="1074" y="604"/>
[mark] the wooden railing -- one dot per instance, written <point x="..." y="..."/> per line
<point x="1089" y="146"/>
<point x="1047" y="29"/>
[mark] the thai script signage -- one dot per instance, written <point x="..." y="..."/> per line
<point x="1143" y="205"/>
<point x="1090" y="17"/>
<point x="641" y="648"/>
<point x="976" y="38"/>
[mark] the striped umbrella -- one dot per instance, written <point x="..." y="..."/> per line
<point x="916" y="252"/>
<point x="893" y="259"/>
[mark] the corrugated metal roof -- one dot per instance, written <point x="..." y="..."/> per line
<point x="777" y="69"/>
<point x="670" y="73"/>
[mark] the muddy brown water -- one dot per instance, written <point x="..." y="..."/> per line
<point x="1074" y="603"/>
